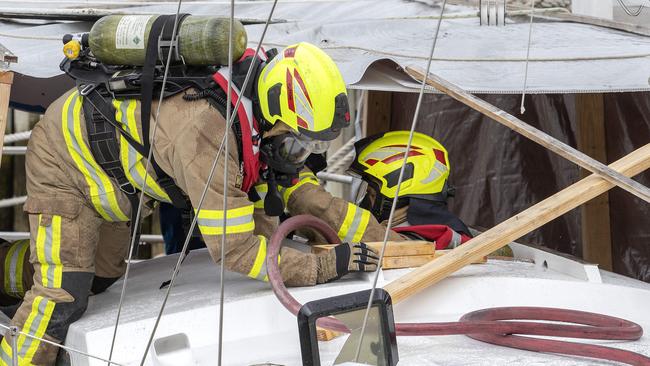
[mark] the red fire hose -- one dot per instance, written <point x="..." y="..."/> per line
<point x="486" y="325"/>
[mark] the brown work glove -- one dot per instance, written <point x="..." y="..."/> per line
<point x="346" y="258"/>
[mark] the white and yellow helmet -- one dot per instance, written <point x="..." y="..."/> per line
<point x="378" y="162"/>
<point x="303" y="88"/>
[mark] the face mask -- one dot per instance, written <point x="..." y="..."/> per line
<point x="295" y="149"/>
<point x="287" y="153"/>
<point x="285" y="156"/>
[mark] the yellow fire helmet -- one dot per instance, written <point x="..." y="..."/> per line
<point x="303" y="88"/>
<point x="379" y="159"/>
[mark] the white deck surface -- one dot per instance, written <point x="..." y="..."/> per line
<point x="257" y="329"/>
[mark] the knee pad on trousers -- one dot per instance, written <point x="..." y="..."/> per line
<point x="78" y="285"/>
<point x="100" y="284"/>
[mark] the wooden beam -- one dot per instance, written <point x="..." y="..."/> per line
<point x="515" y="227"/>
<point x="532" y="133"/>
<point x="6" y="79"/>
<point x="596" y="228"/>
<point x="376" y="112"/>
<point x="402" y="254"/>
<point x="414" y="261"/>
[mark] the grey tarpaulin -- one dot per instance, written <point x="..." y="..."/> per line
<point x="565" y="57"/>
<point x="497" y="173"/>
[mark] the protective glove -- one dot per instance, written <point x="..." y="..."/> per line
<point x="346" y="258"/>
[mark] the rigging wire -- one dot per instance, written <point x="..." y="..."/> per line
<point x="399" y="182"/>
<point x="136" y="225"/>
<point x="522" y="108"/>
<point x="628" y="9"/>
<point x="205" y="189"/>
<point x="222" y="260"/>
<point x="67" y="348"/>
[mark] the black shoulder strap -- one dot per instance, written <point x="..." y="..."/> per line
<point x="103" y="143"/>
<point x="161" y="30"/>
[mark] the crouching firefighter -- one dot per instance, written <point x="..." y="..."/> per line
<point x="421" y="212"/>
<point x="86" y="163"/>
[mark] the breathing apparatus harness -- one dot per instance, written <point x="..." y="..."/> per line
<point x="99" y="84"/>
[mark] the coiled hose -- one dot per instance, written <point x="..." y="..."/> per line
<point x="486" y="325"/>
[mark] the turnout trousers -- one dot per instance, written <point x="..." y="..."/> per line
<point x="72" y="253"/>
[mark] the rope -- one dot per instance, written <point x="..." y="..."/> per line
<point x="399" y="183"/>
<point x="15" y="137"/>
<point x="69" y="349"/>
<point x="522" y="109"/>
<point x="10" y="202"/>
<point x="342" y="164"/>
<point x="341" y="152"/>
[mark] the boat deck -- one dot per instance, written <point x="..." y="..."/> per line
<point x="257" y="329"/>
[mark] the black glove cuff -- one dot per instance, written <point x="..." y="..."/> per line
<point x="342" y="259"/>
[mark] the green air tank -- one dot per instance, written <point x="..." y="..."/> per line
<point x="202" y="40"/>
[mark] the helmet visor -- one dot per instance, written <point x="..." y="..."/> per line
<point x="296" y="148"/>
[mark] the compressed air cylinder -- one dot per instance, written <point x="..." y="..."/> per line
<point x="202" y="40"/>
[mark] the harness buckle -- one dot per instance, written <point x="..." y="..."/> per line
<point x="86" y="89"/>
<point x="128" y="188"/>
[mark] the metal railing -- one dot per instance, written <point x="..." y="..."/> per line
<point x="14" y="150"/>
<point x="19" y="235"/>
<point x="14" y="201"/>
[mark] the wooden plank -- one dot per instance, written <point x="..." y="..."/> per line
<point x="596" y="228"/>
<point x="393" y="248"/>
<point x="325" y="335"/>
<point x="515" y="227"/>
<point x="532" y="133"/>
<point x="402" y="254"/>
<point x="414" y="261"/>
<point x="6" y="79"/>
<point x="376" y="112"/>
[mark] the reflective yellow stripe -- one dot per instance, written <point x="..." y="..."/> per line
<point x="303" y="178"/>
<point x="41" y="238"/>
<point x="48" y="248"/>
<point x="55" y="254"/>
<point x="131" y="160"/>
<point x="259" y="270"/>
<point x="102" y="193"/>
<point x="20" y="264"/>
<point x="354" y="224"/>
<point x="238" y="220"/>
<point x="13" y="271"/>
<point x="8" y="270"/>
<point x="36" y="324"/>
<point x="261" y="190"/>
<point x="259" y="259"/>
<point x="5" y="353"/>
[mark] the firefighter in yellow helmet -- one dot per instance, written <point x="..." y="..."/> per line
<point x="86" y="163"/>
<point x="421" y="211"/>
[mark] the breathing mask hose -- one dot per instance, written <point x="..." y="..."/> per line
<point x="495" y="325"/>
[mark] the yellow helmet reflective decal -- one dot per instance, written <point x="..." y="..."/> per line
<point x="380" y="158"/>
<point x="303" y="88"/>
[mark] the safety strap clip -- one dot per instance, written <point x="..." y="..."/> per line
<point x="128" y="188"/>
<point x="86" y="89"/>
